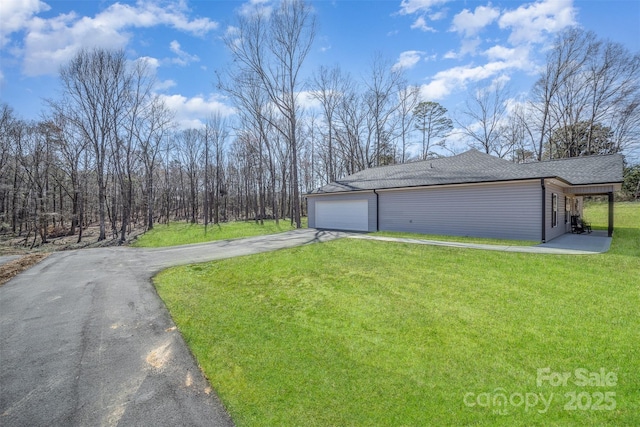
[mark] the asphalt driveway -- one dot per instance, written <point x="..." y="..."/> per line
<point x="85" y="339"/>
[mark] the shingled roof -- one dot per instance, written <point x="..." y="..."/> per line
<point x="475" y="167"/>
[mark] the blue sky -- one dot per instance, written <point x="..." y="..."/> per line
<point x="445" y="47"/>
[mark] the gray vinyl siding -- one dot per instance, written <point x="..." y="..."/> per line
<point x="497" y="210"/>
<point x="370" y="196"/>
<point x="553" y="232"/>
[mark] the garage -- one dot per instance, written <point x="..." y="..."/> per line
<point x="342" y="214"/>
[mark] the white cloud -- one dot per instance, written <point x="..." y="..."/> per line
<point x="152" y="65"/>
<point x="183" y="57"/>
<point x="530" y="22"/>
<point x="435" y="90"/>
<point x="526" y="26"/>
<point x="16" y="14"/>
<point x="232" y="31"/>
<point x="422" y="8"/>
<point x="150" y="62"/>
<point x="253" y="7"/>
<point x="518" y="55"/>
<point x="470" y="23"/>
<point x="164" y="85"/>
<point x="445" y="82"/>
<point x="469" y="46"/>
<point x="174" y="46"/>
<point x="407" y="60"/>
<point x="421" y="24"/>
<point x="51" y="42"/>
<point x="450" y="55"/>
<point x="308" y="101"/>
<point x="408" y="7"/>
<point x="325" y="44"/>
<point x="193" y="112"/>
<point x="55" y="41"/>
<point x="436" y="16"/>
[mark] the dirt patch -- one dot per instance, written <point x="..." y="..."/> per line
<point x="57" y="241"/>
<point x="17" y="266"/>
<point x="158" y="357"/>
<point x="60" y="241"/>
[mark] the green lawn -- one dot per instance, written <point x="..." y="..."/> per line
<point x="181" y="233"/>
<point x="364" y="333"/>
<point x="598" y="214"/>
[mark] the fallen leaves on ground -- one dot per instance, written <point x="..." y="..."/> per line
<point x="17" y="266"/>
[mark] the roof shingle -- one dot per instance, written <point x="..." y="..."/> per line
<point x="475" y="167"/>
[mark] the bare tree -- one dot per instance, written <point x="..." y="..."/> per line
<point x="582" y="139"/>
<point x="381" y="101"/>
<point x="274" y="49"/>
<point x="434" y="125"/>
<point x="95" y="86"/>
<point x="484" y="113"/>
<point x="612" y="79"/>
<point x="215" y="134"/>
<point x="70" y="147"/>
<point x="407" y="102"/>
<point x="626" y="127"/>
<point x="351" y="130"/>
<point x="190" y="149"/>
<point x="563" y="61"/>
<point x="329" y="86"/>
<point x="256" y="117"/>
<point x="8" y="122"/>
<point x="9" y="133"/>
<point x="34" y="151"/>
<point x="150" y="132"/>
<point x="129" y="125"/>
<point x="516" y="134"/>
<point x="588" y="85"/>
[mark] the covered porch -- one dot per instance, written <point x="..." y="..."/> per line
<point x="598" y="190"/>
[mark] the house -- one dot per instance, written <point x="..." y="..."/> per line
<point x="470" y="194"/>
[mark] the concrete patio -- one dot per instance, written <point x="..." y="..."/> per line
<point x="567" y="244"/>
<point x="588" y="243"/>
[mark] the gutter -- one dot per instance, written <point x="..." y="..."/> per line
<point x="544" y="211"/>
<point x="444" y="184"/>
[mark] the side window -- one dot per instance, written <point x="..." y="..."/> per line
<point x="567" y="209"/>
<point x="554" y="210"/>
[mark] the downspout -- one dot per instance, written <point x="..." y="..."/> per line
<point x="610" y="228"/>
<point x="377" y="207"/>
<point x="544" y="211"/>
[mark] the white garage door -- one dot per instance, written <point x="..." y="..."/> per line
<point x="343" y="215"/>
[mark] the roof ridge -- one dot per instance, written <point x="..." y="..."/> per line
<point x="570" y="158"/>
<point x="415" y="162"/>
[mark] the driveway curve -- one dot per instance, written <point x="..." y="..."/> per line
<point x="85" y="339"/>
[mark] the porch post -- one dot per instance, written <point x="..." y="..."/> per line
<point x="610" y="213"/>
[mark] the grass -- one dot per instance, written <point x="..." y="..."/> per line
<point x="181" y="233"/>
<point x="362" y="333"/>
<point x="598" y="214"/>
